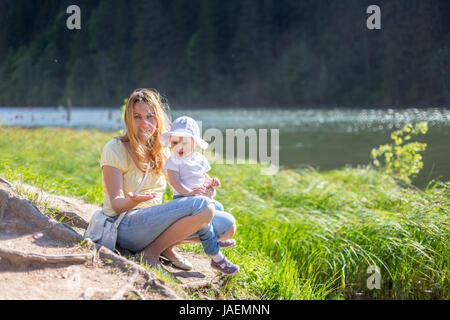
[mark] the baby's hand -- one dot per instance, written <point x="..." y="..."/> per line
<point x="215" y="183"/>
<point x="197" y="192"/>
<point x="210" y="192"/>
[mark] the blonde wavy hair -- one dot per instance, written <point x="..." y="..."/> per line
<point x="152" y="148"/>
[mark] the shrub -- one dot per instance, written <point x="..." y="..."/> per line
<point x="402" y="159"/>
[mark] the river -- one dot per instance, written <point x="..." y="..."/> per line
<point x="321" y="138"/>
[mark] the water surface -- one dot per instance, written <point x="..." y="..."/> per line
<point x="322" y="138"/>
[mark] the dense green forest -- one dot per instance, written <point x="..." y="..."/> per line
<point x="226" y="53"/>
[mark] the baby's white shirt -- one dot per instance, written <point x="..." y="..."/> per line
<point x="191" y="170"/>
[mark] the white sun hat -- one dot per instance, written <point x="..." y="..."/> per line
<point x="183" y="127"/>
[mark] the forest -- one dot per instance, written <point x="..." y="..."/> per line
<point x="234" y="53"/>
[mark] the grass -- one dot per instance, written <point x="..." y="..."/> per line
<point x="301" y="234"/>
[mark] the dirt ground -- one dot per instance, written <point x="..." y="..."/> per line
<point x="44" y="259"/>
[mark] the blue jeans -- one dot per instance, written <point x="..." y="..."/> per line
<point x="140" y="227"/>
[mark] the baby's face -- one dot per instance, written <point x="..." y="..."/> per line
<point x="182" y="146"/>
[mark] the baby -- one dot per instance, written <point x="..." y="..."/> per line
<point x="187" y="175"/>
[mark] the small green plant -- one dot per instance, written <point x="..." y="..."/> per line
<point x="402" y="159"/>
<point x="86" y="244"/>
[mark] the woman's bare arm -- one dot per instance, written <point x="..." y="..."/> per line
<point x="114" y="185"/>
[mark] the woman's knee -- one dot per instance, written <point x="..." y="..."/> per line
<point x="198" y="203"/>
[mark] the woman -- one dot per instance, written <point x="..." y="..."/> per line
<point x="149" y="225"/>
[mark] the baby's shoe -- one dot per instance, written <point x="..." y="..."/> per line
<point x="227" y="243"/>
<point x="225" y="266"/>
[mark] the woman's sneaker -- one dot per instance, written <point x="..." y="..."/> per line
<point x="225" y="266"/>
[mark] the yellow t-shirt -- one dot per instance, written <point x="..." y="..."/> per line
<point x="115" y="154"/>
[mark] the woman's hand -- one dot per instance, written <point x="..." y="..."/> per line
<point x="141" y="197"/>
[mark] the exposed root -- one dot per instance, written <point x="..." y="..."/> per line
<point x="20" y="257"/>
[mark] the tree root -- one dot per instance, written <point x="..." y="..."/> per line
<point x="20" y="257"/>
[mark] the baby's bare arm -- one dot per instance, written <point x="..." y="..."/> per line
<point x="175" y="182"/>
